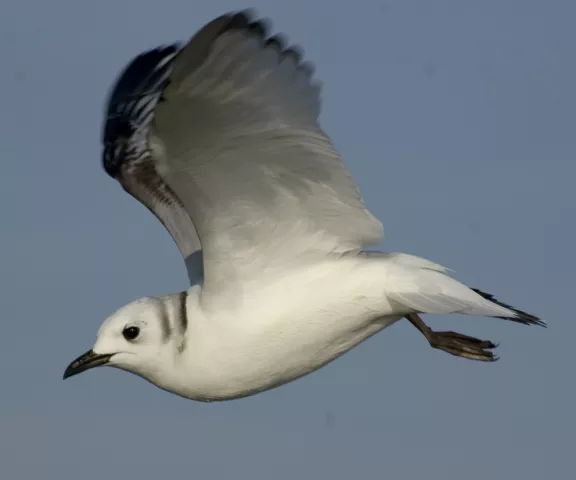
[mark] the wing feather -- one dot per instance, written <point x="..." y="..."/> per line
<point x="126" y="156"/>
<point x="238" y="141"/>
<point x="221" y="141"/>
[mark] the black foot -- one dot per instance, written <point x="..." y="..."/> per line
<point x="463" y="346"/>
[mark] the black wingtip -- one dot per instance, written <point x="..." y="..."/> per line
<point x="130" y="81"/>
<point x="130" y="105"/>
<point x="521" y="316"/>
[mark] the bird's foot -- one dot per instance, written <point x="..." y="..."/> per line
<point x="463" y="346"/>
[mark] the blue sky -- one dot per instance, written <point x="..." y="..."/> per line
<point x="456" y="118"/>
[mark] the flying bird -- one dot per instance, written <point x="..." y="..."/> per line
<point x="220" y="140"/>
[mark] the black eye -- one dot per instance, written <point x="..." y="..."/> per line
<point x="130" y="333"/>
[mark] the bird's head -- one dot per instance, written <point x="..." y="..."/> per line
<point x="135" y="338"/>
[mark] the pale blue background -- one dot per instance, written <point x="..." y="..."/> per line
<point x="458" y="120"/>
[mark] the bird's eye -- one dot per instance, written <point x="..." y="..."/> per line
<point x="130" y="333"/>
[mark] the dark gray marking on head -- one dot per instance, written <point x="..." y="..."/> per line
<point x="165" y="322"/>
<point x="183" y="312"/>
<point x="183" y="319"/>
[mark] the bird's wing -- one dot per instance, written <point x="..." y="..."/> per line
<point x="237" y="140"/>
<point x="230" y="140"/>
<point x="126" y="156"/>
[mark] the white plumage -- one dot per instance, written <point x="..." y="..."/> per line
<point x="221" y="141"/>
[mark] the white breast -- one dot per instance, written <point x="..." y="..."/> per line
<point x="286" y="328"/>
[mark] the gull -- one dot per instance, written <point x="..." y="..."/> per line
<point x="220" y="140"/>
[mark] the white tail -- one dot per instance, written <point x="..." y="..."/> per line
<point x="424" y="287"/>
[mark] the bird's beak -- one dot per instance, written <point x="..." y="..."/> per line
<point x="86" y="361"/>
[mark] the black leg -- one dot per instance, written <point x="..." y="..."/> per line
<point x="455" y="343"/>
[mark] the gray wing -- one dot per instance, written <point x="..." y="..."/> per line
<point x="126" y="155"/>
<point x="237" y="141"/>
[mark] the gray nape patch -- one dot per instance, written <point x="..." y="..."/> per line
<point x="183" y="312"/>
<point x="182" y="320"/>
<point x="165" y="322"/>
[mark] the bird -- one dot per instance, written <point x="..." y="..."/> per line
<point x="220" y="139"/>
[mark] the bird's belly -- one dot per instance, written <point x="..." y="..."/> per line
<point x="267" y="347"/>
<point x="252" y="366"/>
<point x="306" y="353"/>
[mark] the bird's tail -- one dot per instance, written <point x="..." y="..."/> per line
<point x="518" y="316"/>
<point x="425" y="287"/>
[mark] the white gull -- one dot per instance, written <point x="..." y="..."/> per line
<point x="220" y="140"/>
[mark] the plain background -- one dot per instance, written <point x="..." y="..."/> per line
<point x="458" y="120"/>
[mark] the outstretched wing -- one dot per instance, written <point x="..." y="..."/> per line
<point x="237" y="140"/>
<point x="221" y="141"/>
<point x="126" y="156"/>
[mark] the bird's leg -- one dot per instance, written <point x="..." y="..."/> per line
<point x="455" y="343"/>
